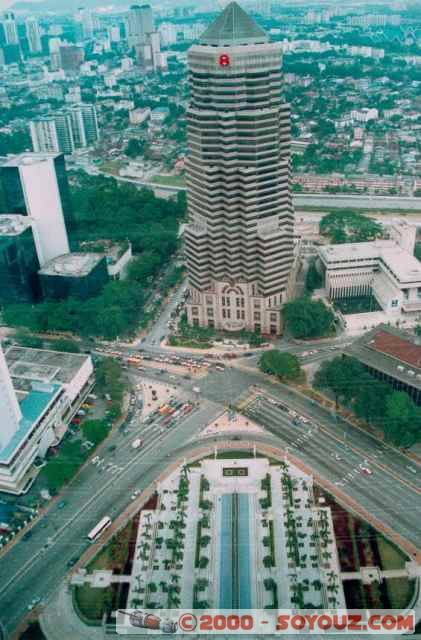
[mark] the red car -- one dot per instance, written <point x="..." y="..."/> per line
<point x="76" y="421"/>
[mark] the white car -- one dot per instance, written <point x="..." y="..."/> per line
<point x="95" y="460"/>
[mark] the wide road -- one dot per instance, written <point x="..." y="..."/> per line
<point x="33" y="569"/>
<point x="323" y="200"/>
<point x="36" y="567"/>
<point x="343" y="465"/>
<point x="383" y="203"/>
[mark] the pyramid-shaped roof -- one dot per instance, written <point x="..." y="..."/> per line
<point x="233" y="27"/>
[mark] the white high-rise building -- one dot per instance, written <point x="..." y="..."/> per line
<point x="10" y="413"/>
<point x="44" y="135"/>
<point x="33" y="35"/>
<point x="10" y="28"/>
<point x="85" y="21"/>
<point x="168" y="33"/>
<point x="35" y="184"/>
<point x="72" y="128"/>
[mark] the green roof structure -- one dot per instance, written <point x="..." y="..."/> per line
<point x="233" y="27"/>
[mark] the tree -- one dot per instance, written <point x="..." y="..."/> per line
<point x="341" y="376"/>
<point x="203" y="562"/>
<point x="67" y="346"/>
<point x="95" y="430"/>
<point x="135" y="148"/>
<point x="349" y="226"/>
<point x="25" y="339"/>
<point x="306" y="318"/>
<point x="402" y="425"/>
<point x="314" y="279"/>
<point x="284" y="365"/>
<point x="370" y="402"/>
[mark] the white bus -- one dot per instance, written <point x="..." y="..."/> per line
<point x="99" y="529"/>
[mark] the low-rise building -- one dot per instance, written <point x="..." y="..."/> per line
<point x="80" y="275"/>
<point x="391" y="355"/>
<point x="139" y="116"/>
<point x="385" y="269"/>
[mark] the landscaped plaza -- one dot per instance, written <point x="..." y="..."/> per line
<point x="236" y="533"/>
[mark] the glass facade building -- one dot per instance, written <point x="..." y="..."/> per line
<point x="18" y="268"/>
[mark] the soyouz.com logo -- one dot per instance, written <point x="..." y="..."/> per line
<point x="264" y="621"/>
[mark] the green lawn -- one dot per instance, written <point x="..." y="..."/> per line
<point x="169" y="181"/>
<point x="92" y="603"/>
<point x="400" y="590"/>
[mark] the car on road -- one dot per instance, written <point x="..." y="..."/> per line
<point x="412" y="469"/>
<point x="137" y="443"/>
<point x="34" y="603"/>
<point x="72" y="562"/>
<point x="336" y="456"/>
<point x="27" y="535"/>
<point x="61" y="504"/>
<point x="366" y="470"/>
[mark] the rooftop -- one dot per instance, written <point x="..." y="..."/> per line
<point x="404" y="266"/>
<point x="396" y="346"/>
<point x="33" y="407"/>
<point x="354" y="250"/>
<point x="13" y="225"/>
<point x="233" y="27"/>
<point x="28" y="365"/>
<point x="391" y="351"/>
<point x="71" y="265"/>
<point x="23" y="159"/>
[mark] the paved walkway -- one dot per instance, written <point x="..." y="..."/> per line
<point x="60" y="620"/>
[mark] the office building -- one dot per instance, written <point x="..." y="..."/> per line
<point x="386" y="269"/>
<point x="19" y="264"/>
<point x="35" y="185"/>
<point x="391" y="355"/>
<point x="70" y="58"/>
<point x="51" y="134"/>
<point x="12" y="54"/>
<point x="40" y="392"/>
<point x="239" y="240"/>
<point x="66" y="130"/>
<point x="10" y="28"/>
<point x="139" y="24"/>
<point x="85" y="24"/>
<point x="79" y="275"/>
<point x="10" y="413"/>
<point x="84" y="124"/>
<point x="142" y="37"/>
<point x="33" y="35"/>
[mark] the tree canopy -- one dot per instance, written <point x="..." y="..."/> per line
<point x="284" y="365"/>
<point x="376" y="402"/>
<point x="305" y="318"/>
<point x="349" y="226"/>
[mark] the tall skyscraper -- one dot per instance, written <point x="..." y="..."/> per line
<point x="10" y="413"/>
<point x="33" y="35"/>
<point x="10" y="28"/>
<point x="239" y="240"/>
<point x="85" y="23"/>
<point x="139" y="24"/>
<point x="35" y="185"/>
